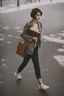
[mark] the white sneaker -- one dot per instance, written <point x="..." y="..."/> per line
<point x="18" y="75"/>
<point x="43" y="86"/>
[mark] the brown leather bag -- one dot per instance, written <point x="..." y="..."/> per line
<point x="22" y="48"/>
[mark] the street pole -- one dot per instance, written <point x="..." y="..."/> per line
<point x="1" y="2"/>
<point x="50" y="0"/>
<point x="39" y="0"/>
<point x="17" y="3"/>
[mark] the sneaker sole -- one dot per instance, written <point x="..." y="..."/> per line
<point x="19" y="78"/>
<point x="16" y="76"/>
<point x="42" y="88"/>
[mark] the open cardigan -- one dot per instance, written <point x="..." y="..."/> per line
<point x="28" y="39"/>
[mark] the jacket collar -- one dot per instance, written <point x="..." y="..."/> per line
<point x="31" y="22"/>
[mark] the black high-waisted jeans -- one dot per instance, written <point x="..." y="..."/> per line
<point x="35" y="60"/>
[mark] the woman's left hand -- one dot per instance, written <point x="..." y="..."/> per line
<point x="35" y="38"/>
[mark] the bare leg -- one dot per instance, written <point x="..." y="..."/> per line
<point x="40" y="81"/>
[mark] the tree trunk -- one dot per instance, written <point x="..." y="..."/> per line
<point x="17" y="2"/>
<point x="1" y="2"/>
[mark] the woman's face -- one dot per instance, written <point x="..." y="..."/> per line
<point x="37" y="16"/>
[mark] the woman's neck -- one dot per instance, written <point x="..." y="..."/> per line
<point x="34" y="21"/>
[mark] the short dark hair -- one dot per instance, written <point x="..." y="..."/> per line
<point x="35" y="11"/>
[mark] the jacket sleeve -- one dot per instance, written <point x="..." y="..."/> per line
<point x="41" y="35"/>
<point x="24" y="35"/>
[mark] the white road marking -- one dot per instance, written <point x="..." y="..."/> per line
<point x="20" y="31"/>
<point x="52" y="35"/>
<point x="60" y="50"/>
<point x="2" y="59"/>
<point x="62" y="34"/>
<point x="18" y="37"/>
<point x="1" y="34"/>
<point x="62" y="31"/>
<point x="60" y="59"/>
<point x="33" y="70"/>
<point x="9" y="42"/>
<point x="53" y="39"/>
<point x="9" y="35"/>
<point x="11" y="72"/>
<point x="59" y="37"/>
<point x="4" y="65"/>
<point x="46" y="69"/>
<point x="2" y="39"/>
<point x="45" y="40"/>
<point x="12" y="5"/>
<point x="17" y="27"/>
<point x="6" y="27"/>
<point x="1" y="82"/>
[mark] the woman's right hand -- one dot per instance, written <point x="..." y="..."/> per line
<point x="35" y="38"/>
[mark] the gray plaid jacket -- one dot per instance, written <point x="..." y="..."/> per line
<point x="28" y="39"/>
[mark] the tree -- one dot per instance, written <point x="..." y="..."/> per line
<point x="1" y="2"/>
<point x="50" y="0"/>
<point x="17" y="2"/>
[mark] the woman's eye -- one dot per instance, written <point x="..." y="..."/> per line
<point x="38" y="15"/>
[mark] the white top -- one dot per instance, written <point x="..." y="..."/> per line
<point x="35" y="27"/>
<point x="35" y="24"/>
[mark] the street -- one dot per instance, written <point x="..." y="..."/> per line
<point x="51" y="53"/>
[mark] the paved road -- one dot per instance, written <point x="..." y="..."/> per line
<point x="51" y="54"/>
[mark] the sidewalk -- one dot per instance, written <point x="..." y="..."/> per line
<point x="13" y="7"/>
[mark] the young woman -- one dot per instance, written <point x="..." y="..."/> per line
<point x="34" y="44"/>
